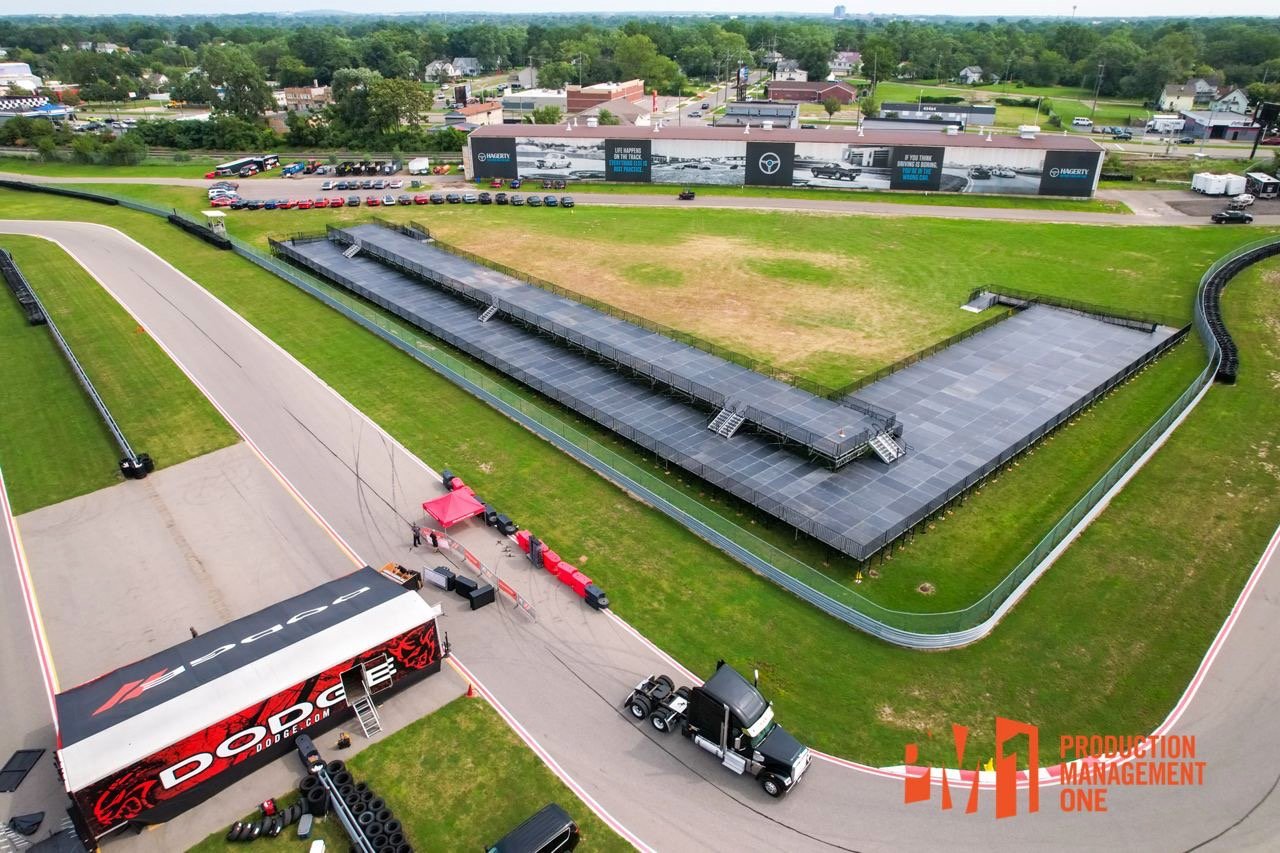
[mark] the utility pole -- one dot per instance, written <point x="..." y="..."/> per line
<point x="1097" y="87"/>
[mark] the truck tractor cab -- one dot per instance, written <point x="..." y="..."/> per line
<point x="729" y="718"/>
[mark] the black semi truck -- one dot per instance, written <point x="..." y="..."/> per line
<point x="728" y="718"/>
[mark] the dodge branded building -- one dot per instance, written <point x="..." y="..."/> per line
<point x="150" y="740"/>
<point x="837" y="157"/>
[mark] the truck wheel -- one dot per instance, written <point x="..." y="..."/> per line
<point x="659" y="721"/>
<point x="662" y="679"/>
<point x="772" y="785"/>
<point x="639" y="707"/>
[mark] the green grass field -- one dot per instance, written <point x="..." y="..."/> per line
<point x="1066" y="101"/>
<point x="54" y="445"/>
<point x="493" y="784"/>
<point x="1145" y="556"/>
<point x="160" y="169"/>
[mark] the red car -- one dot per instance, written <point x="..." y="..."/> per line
<point x="496" y="183"/>
<point x="320" y="202"/>
<point x="304" y="204"/>
<point x="421" y="199"/>
<point x="372" y="201"/>
<point x="223" y="201"/>
<point x="1270" y="140"/>
<point x="337" y="202"/>
<point x="288" y="204"/>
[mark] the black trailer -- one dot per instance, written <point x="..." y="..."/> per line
<point x="729" y="718"/>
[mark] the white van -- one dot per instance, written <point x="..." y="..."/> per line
<point x="1081" y="121"/>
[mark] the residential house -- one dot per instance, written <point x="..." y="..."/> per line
<point x="579" y="98"/>
<point x="4" y="52"/>
<point x="440" y="69"/>
<point x="84" y="45"/>
<point x="307" y="99"/>
<point x="814" y="92"/>
<point x="156" y="80"/>
<point x="904" y="71"/>
<point x="1230" y="99"/>
<point x="789" y="69"/>
<point x="109" y="47"/>
<point x="770" y="58"/>
<point x="525" y="78"/>
<point x="846" y="63"/>
<point x="970" y="75"/>
<point x="1176" y="97"/>
<point x="479" y="115"/>
<point x="467" y="66"/>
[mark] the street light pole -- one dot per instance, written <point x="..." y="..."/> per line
<point x="1097" y="87"/>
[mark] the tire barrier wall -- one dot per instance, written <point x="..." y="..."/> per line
<point x="1208" y="309"/>
<point x="197" y="229"/>
<point x="911" y="630"/>
<point x="18" y="284"/>
<point x="24" y="186"/>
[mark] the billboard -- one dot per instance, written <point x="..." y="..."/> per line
<point x="564" y="158"/>
<point x="163" y="785"/>
<point x="770" y="164"/>
<point x="687" y="161"/>
<point x="628" y="160"/>
<point x="914" y="168"/>
<point x="1069" y="173"/>
<point x="493" y="157"/>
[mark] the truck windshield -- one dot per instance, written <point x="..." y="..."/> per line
<point x="759" y="730"/>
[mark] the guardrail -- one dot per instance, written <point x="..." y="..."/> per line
<point x="133" y="465"/>
<point x="17" y="283"/>
<point x="908" y="629"/>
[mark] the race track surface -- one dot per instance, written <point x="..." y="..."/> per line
<point x="562" y="677"/>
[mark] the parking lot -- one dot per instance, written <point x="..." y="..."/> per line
<point x="1195" y="204"/>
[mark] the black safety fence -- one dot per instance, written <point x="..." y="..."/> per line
<point x="26" y="186"/>
<point x="201" y="230"/>
<point x="17" y="283"/>
<point x="1144" y="321"/>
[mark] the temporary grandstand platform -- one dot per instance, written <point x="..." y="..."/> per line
<point x="834" y="431"/>
<point x="963" y="412"/>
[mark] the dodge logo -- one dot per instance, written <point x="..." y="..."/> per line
<point x="770" y="163"/>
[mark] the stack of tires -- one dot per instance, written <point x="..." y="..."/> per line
<point x="373" y="817"/>
<point x="267" y="827"/>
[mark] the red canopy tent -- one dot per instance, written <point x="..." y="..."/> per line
<point x="454" y="507"/>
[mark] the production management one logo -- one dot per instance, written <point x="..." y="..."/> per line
<point x="1057" y="172"/>
<point x="1091" y="765"/>
<point x="770" y="163"/>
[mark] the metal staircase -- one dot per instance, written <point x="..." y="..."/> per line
<point x="886" y="447"/>
<point x="726" y="422"/>
<point x="488" y="313"/>
<point x="352" y="251"/>
<point x="367" y="714"/>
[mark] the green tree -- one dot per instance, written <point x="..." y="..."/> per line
<point x="607" y="118"/>
<point x="832" y="106"/>
<point x="47" y="148"/>
<point x="555" y="75"/>
<point x="550" y="114"/>
<point x="126" y="150"/>
<point x="244" y="89"/>
<point x="396" y="103"/>
<point x="194" y="88"/>
<point x="869" y="105"/>
<point x="86" y="148"/>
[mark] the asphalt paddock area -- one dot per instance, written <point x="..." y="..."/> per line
<point x="127" y="571"/>
<point x="1204" y="205"/>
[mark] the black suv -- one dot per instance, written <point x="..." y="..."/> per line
<point x="1232" y="217"/>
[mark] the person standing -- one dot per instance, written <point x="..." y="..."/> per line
<point x="417" y="535"/>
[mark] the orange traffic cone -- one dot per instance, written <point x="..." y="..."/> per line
<point x="471" y="690"/>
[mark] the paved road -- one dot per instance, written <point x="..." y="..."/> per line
<point x="1149" y="208"/>
<point x="561" y="676"/>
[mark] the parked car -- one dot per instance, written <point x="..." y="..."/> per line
<point x="404" y="198"/>
<point x="342" y="186"/>
<point x="1185" y="140"/>
<point x="287" y="204"/>
<point x="549" y="830"/>
<point x="224" y="185"/>
<point x="353" y="201"/>
<point x="485" y="198"/>
<point x="379" y="184"/>
<point x="1232" y="217"/>
<point x="706" y="106"/>
<point x="221" y="201"/>
<point x="337" y="201"/>
<point x="388" y="200"/>
<point x="550" y="201"/>
<point x="270" y="204"/>
<point x="1122" y="135"/>
<point x="1270" y="140"/>
<point x="515" y="183"/>
<point x="366" y="184"/>
<point x="453" y="198"/>
<point x="500" y="198"/>
<point x="238" y="204"/>
<point x="395" y="185"/>
<point x="254" y="204"/>
<point x="686" y="194"/>
<point x="326" y="186"/>
<point x="304" y="204"/>
<point x="422" y="198"/>
<point x="566" y="201"/>
<point x="1241" y="201"/>
<point x="535" y="201"/>
<point x="437" y="198"/>
<point x="372" y="201"/>
<point x="320" y="202"/>
<point x="517" y="200"/>
<point x="496" y="183"/>
<point x="470" y="198"/>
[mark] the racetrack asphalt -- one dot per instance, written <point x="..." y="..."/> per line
<point x="1149" y="208"/>
<point x="563" y="676"/>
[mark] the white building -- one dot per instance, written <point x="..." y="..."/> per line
<point x="970" y="74"/>
<point x="1230" y="101"/>
<point x="439" y="69"/>
<point x="466" y="66"/>
<point x="18" y="74"/>
<point x="790" y="71"/>
<point x="846" y="63"/>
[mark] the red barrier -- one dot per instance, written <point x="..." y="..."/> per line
<point x="457" y="484"/>
<point x="522" y="539"/>
<point x="579" y="582"/>
<point x="551" y="561"/>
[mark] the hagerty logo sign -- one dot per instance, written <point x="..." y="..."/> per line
<point x="493" y="156"/>
<point x="770" y="163"/>
<point x="1056" y="172"/>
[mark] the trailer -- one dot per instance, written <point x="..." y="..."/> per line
<point x="145" y="742"/>
<point x="729" y="718"/>
<point x="420" y="166"/>
<point x="1262" y="185"/>
<point x="1166" y="124"/>
<point x="1207" y="183"/>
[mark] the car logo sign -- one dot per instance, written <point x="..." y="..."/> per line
<point x="1053" y="173"/>
<point x="770" y="163"/>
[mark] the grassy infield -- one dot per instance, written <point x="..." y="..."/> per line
<point x="1075" y="628"/>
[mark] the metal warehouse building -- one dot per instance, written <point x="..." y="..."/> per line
<point x="1041" y="164"/>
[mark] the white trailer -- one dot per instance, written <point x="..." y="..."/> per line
<point x="1235" y="184"/>
<point x="419" y="166"/>
<point x="1262" y="185"/>
<point x="1166" y="124"/>
<point x="1208" y="183"/>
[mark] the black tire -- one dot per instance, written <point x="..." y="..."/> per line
<point x="274" y="826"/>
<point x="684" y="693"/>
<point x="317" y="802"/>
<point x="255" y="829"/>
<point x="662" y="679"/>
<point x="347" y="791"/>
<point x="395" y="839"/>
<point x="639" y="706"/>
<point x="307" y="784"/>
<point x="336" y="767"/>
<point x="772" y="785"/>
<point x="384" y="815"/>
<point x="373" y="832"/>
<point x="358" y="807"/>
<point x="364" y="819"/>
<point x="233" y="834"/>
<point x="391" y="827"/>
<point x="658" y="719"/>
<point x="361" y="788"/>
<point x="343" y="778"/>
